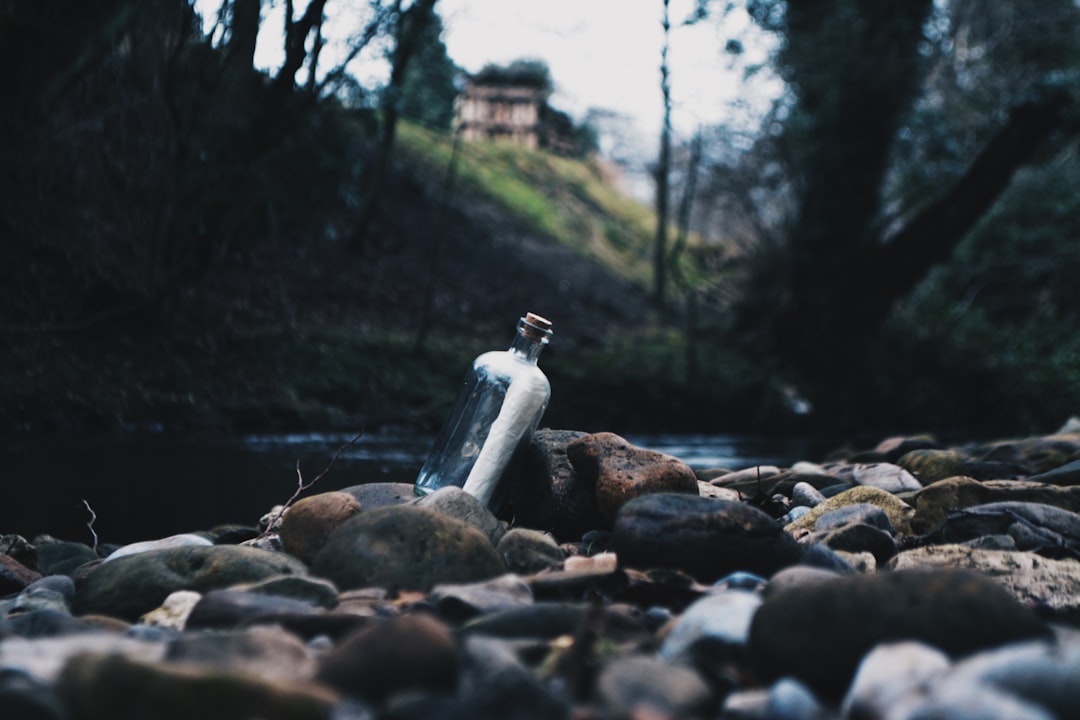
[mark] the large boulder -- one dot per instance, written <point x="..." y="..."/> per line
<point x="131" y="586"/>
<point x="818" y="632"/>
<point x="548" y="494"/>
<point x="406" y="548"/>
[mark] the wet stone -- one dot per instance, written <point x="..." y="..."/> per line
<point x="932" y="465"/>
<point x="307" y="524"/>
<point x="14" y="576"/>
<point x="704" y="537"/>
<point x="809" y="631"/>
<point x="528" y="551"/>
<point x="134" y="585"/>
<point x="407" y="548"/>
<point x="108" y="687"/>
<point x="621" y="472"/>
<point x="456" y="503"/>
<point x="548" y="493"/>
<point x="234" y="608"/>
<point x="411" y="652"/>
<point x="856" y="537"/>
<point x="643" y="686"/>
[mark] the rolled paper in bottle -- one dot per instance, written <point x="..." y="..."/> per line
<point x="524" y="400"/>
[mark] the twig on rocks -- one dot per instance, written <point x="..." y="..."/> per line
<point x="90" y="523"/>
<point x="301" y="485"/>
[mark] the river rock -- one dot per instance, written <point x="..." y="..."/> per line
<point x="548" y="620"/>
<point x="1033" y="580"/>
<point x="174" y="610"/>
<point x="863" y="513"/>
<point x="494" y="683"/>
<point x="222" y="609"/>
<point x="883" y="476"/>
<point x="465" y="600"/>
<point x="638" y="686"/>
<point x="25" y="698"/>
<point x="893" y="448"/>
<point x="786" y="699"/>
<point x="382" y="494"/>
<point x="1067" y="474"/>
<point x="549" y="495"/>
<point x="454" y="502"/>
<point x="313" y="590"/>
<point x="44" y="658"/>
<point x="969" y="701"/>
<point x="14" y="576"/>
<point x="264" y="651"/>
<point x="898" y="512"/>
<point x="798" y="575"/>
<point x="136" y="584"/>
<point x="172" y="541"/>
<point x="1034" y="526"/>
<point x="56" y="557"/>
<point x="856" y="537"/>
<point x="932" y="465"/>
<point x="621" y="471"/>
<point x="408" y="548"/>
<point x="416" y="652"/>
<point x="892" y="677"/>
<point x="528" y="551"/>
<point x="38" y="596"/>
<point x="934" y="502"/>
<point x="713" y="630"/>
<point x="1043" y="673"/>
<point x="819" y="632"/>
<point x="704" y="537"/>
<point x="803" y="493"/>
<point x="112" y="687"/>
<point x="309" y="521"/>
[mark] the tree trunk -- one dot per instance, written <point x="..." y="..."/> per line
<point x="243" y="32"/>
<point x="663" y="173"/>
<point x="411" y="25"/>
<point x="296" y="33"/>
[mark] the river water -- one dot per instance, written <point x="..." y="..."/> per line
<point x="142" y="487"/>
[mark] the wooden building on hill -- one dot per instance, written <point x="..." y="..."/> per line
<point x="501" y="104"/>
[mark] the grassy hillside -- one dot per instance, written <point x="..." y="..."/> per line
<point x="577" y="202"/>
<point x="300" y="330"/>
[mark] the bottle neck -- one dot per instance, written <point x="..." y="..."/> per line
<point x="526" y="348"/>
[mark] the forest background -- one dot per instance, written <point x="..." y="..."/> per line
<point x="190" y="243"/>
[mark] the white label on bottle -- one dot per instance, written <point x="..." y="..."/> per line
<point x="523" y="401"/>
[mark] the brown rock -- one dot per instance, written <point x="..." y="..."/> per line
<point x="409" y="652"/>
<point x="622" y="471"/>
<point x="308" y="523"/>
<point x="406" y="548"/>
<point x="14" y="576"/>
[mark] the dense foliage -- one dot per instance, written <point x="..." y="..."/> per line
<point x="909" y="158"/>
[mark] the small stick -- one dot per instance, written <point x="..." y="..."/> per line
<point x="301" y="486"/>
<point x="90" y="522"/>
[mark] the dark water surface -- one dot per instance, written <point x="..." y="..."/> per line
<point x="148" y="486"/>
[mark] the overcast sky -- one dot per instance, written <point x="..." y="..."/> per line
<point x="602" y="53"/>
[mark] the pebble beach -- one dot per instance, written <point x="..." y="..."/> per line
<point x="907" y="580"/>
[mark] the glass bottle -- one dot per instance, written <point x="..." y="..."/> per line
<point x="504" y="395"/>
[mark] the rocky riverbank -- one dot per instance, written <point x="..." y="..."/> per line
<point x="909" y="580"/>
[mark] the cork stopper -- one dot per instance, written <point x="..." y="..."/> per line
<point x="535" y="327"/>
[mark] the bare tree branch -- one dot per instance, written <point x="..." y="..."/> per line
<point x="302" y="486"/>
